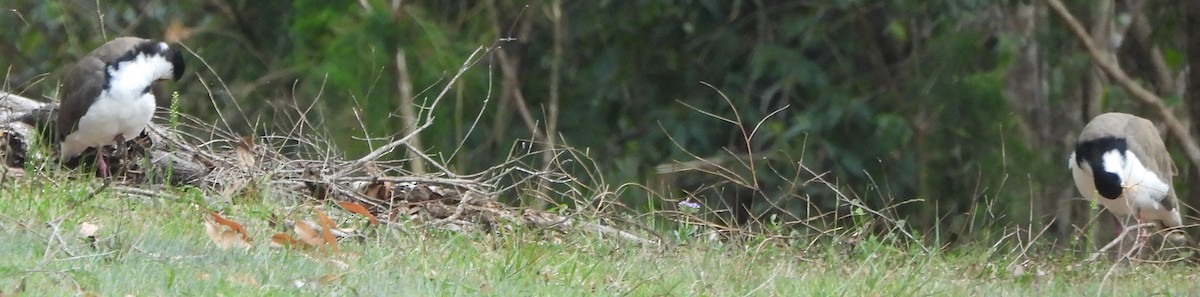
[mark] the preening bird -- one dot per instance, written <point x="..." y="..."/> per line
<point x="107" y="97"/>
<point x="1120" y="160"/>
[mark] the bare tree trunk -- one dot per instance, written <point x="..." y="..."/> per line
<point x="1057" y="205"/>
<point x="1024" y="82"/>
<point x="1102" y="29"/>
<point x="551" y="114"/>
<point x="408" y="113"/>
<point x="1192" y="93"/>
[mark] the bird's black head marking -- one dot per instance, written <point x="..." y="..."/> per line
<point x="157" y="49"/>
<point x="1108" y="184"/>
<point x="176" y="59"/>
<point x="147" y="48"/>
<point x="1092" y="153"/>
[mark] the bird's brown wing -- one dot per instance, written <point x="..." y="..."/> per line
<point x="80" y="89"/>
<point x="85" y="81"/>
<point x="1147" y="144"/>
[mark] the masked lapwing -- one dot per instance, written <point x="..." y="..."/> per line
<point x="107" y="95"/>
<point x="1121" y="162"/>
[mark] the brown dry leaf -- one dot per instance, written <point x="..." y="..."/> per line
<point x="88" y="229"/>
<point x="286" y="241"/>
<point x="358" y="209"/>
<point x="245" y="152"/>
<point x="231" y="224"/>
<point x="326" y="229"/>
<point x="177" y="32"/>
<point x="308" y="235"/>
<point x="224" y="239"/>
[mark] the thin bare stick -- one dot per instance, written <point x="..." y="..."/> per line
<point x="426" y="121"/>
<point x="211" y="98"/>
<point x="100" y="18"/>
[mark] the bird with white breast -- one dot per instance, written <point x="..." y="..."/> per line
<point x="107" y="95"/>
<point x="1121" y="162"/>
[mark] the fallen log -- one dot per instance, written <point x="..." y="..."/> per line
<point x="29" y="134"/>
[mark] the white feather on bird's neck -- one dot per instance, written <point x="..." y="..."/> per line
<point x="1144" y="188"/>
<point x="130" y="79"/>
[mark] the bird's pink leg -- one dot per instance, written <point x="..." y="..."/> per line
<point x="1120" y="228"/>
<point x="120" y="140"/>
<point x="100" y="164"/>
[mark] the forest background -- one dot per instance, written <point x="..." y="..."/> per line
<point x="953" y="112"/>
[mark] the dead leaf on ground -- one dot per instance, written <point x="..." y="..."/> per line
<point x="308" y="235"/>
<point x="224" y="238"/>
<point x="326" y="229"/>
<point x="231" y="224"/>
<point x="226" y="233"/>
<point x="358" y="209"/>
<point x="286" y="241"/>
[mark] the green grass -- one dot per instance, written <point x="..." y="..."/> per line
<point x="158" y="247"/>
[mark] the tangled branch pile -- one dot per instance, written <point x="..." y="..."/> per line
<point x="297" y="168"/>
